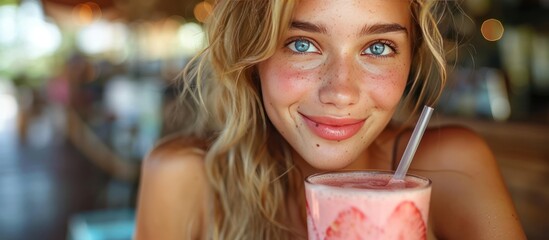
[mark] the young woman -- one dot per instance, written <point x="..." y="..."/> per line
<point x="289" y="88"/>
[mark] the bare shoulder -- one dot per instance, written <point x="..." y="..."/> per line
<point x="172" y="191"/>
<point x="451" y="147"/>
<point x="454" y="148"/>
<point x="469" y="197"/>
<point x="175" y="158"/>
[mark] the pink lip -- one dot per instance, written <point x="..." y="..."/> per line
<point x="335" y="129"/>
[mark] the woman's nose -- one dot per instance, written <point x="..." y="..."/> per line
<point x="340" y="84"/>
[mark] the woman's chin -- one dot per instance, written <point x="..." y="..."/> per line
<point x="329" y="163"/>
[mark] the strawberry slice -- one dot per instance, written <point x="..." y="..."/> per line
<point x="406" y="223"/>
<point x="351" y="224"/>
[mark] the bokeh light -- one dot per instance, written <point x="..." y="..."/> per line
<point x="202" y="11"/>
<point x="8" y="24"/>
<point x="26" y="34"/>
<point x="87" y="12"/>
<point x="8" y="103"/>
<point x="191" y="37"/>
<point x="102" y="37"/>
<point x="492" y="30"/>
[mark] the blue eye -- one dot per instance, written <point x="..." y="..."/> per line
<point x="379" y="49"/>
<point x="302" y="46"/>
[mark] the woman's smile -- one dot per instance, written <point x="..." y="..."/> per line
<point x="335" y="129"/>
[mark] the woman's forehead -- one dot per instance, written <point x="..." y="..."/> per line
<point x="357" y="13"/>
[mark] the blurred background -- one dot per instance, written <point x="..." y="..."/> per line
<point x="85" y="87"/>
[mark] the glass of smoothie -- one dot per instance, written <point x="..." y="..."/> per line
<point x="361" y="205"/>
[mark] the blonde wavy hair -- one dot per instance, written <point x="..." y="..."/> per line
<point x="248" y="163"/>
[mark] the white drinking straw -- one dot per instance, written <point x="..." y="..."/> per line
<point x="413" y="143"/>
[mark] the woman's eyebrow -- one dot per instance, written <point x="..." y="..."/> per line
<point x="367" y="29"/>
<point x="383" y="28"/>
<point x="308" y="27"/>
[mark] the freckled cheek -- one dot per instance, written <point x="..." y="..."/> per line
<point x="388" y="86"/>
<point x="285" y="83"/>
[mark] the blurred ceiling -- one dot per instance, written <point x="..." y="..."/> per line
<point x="132" y="10"/>
<point x="72" y="3"/>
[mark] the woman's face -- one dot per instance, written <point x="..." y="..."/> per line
<point x="334" y="82"/>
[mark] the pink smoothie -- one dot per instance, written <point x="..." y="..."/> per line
<point x="359" y="205"/>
